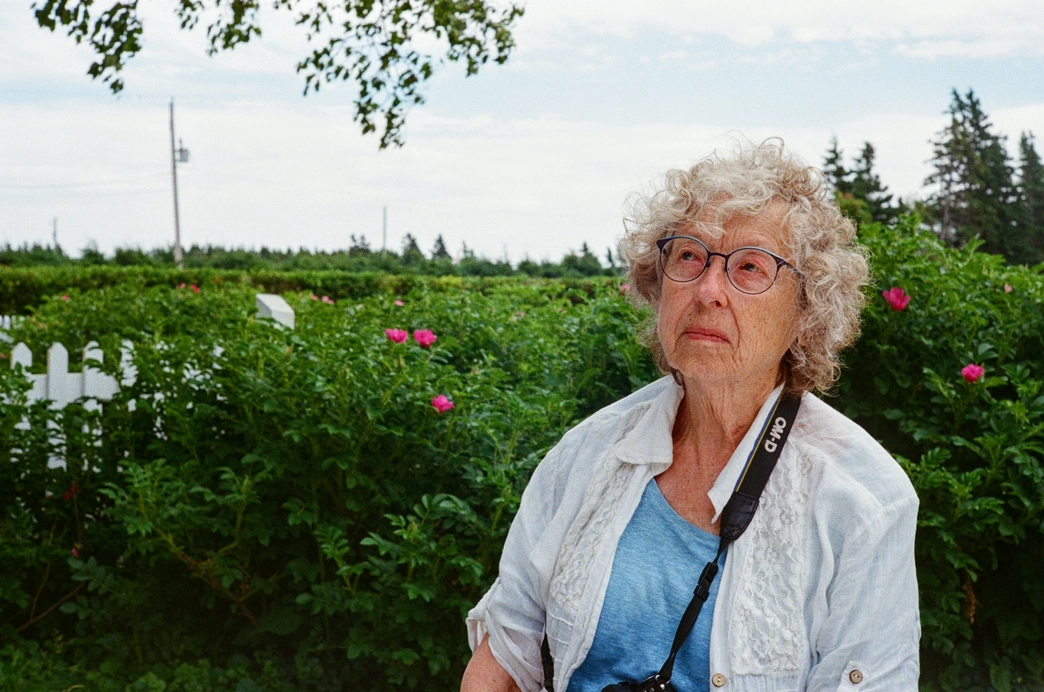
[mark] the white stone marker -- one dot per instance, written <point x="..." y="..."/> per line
<point x="273" y="306"/>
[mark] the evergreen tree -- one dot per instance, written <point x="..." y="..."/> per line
<point x="838" y="177"/>
<point x="37" y="255"/>
<point x="859" y="191"/>
<point x="975" y="195"/>
<point x="91" y="254"/>
<point x="584" y="264"/>
<point x="439" y="252"/>
<point x="411" y="253"/>
<point x="359" y="246"/>
<point x="866" y="186"/>
<point x="1031" y="193"/>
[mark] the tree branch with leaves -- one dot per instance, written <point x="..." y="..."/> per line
<point x="371" y="43"/>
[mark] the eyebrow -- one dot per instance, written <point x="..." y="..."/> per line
<point x="759" y="240"/>
<point x="755" y="240"/>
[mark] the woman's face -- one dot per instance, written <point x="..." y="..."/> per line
<point x="712" y="332"/>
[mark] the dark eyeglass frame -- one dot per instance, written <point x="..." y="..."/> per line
<point x="780" y="262"/>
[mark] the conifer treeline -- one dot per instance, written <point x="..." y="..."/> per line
<point x="974" y="190"/>
<point x="359" y="257"/>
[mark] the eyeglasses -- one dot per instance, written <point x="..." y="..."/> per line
<point x="752" y="270"/>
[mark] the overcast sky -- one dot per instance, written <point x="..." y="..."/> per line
<point x="531" y="158"/>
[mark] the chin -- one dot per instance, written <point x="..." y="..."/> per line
<point x="701" y="361"/>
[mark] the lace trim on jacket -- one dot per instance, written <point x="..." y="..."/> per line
<point x="767" y="631"/>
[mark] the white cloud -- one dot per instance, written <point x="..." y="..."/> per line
<point x="958" y="27"/>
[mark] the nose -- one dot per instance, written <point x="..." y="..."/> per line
<point x="712" y="286"/>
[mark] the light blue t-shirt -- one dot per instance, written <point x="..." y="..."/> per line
<point x="656" y="568"/>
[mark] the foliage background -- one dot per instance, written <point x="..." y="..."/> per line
<point x="276" y="509"/>
<point x="357" y="259"/>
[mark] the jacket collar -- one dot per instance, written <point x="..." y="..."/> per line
<point x="728" y="479"/>
<point x="650" y="440"/>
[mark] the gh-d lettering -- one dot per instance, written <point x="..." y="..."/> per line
<point x="774" y="434"/>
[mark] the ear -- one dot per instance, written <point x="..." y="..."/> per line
<point x="676" y="374"/>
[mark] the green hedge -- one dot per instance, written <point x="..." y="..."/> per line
<point x="296" y="515"/>
<point x="23" y="288"/>
<point x="974" y="450"/>
<point x="297" y="506"/>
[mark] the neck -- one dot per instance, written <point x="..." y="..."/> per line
<point x="717" y="416"/>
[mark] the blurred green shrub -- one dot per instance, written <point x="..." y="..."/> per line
<point x="974" y="450"/>
<point x="22" y="288"/>
<point x="289" y="497"/>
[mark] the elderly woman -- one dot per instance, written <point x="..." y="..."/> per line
<point x="754" y="281"/>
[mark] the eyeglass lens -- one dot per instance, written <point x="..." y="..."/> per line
<point x="750" y="270"/>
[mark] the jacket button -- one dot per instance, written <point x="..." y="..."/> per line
<point x="718" y="680"/>
<point x="856" y="677"/>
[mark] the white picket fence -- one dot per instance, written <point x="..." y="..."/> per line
<point x="6" y="323"/>
<point x="61" y="387"/>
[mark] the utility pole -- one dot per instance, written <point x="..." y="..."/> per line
<point x="384" y="230"/>
<point x="54" y="233"/>
<point x="176" y="155"/>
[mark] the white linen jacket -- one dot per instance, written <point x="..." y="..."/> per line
<point x="820" y="593"/>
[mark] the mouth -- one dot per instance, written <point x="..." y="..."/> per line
<point x="707" y="334"/>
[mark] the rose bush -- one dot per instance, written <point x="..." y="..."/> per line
<point x="307" y="509"/>
<point x="951" y="384"/>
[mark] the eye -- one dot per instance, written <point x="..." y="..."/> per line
<point x="688" y="252"/>
<point x="753" y="262"/>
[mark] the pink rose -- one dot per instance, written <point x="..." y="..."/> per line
<point x="397" y="335"/>
<point x="399" y="303"/>
<point x="328" y="300"/>
<point x="75" y="552"/>
<point x="195" y="288"/>
<point x="896" y="298"/>
<point x="314" y="297"/>
<point x="441" y="403"/>
<point x="972" y="372"/>
<point x="624" y="289"/>
<point x="65" y="297"/>
<point x="424" y="337"/>
<point x="181" y="286"/>
<point x="1007" y="288"/>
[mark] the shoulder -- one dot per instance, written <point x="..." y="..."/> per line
<point x="852" y="472"/>
<point x="631" y="404"/>
<point x="585" y="445"/>
<point x="606" y="427"/>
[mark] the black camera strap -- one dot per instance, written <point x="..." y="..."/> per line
<point x="735" y="518"/>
